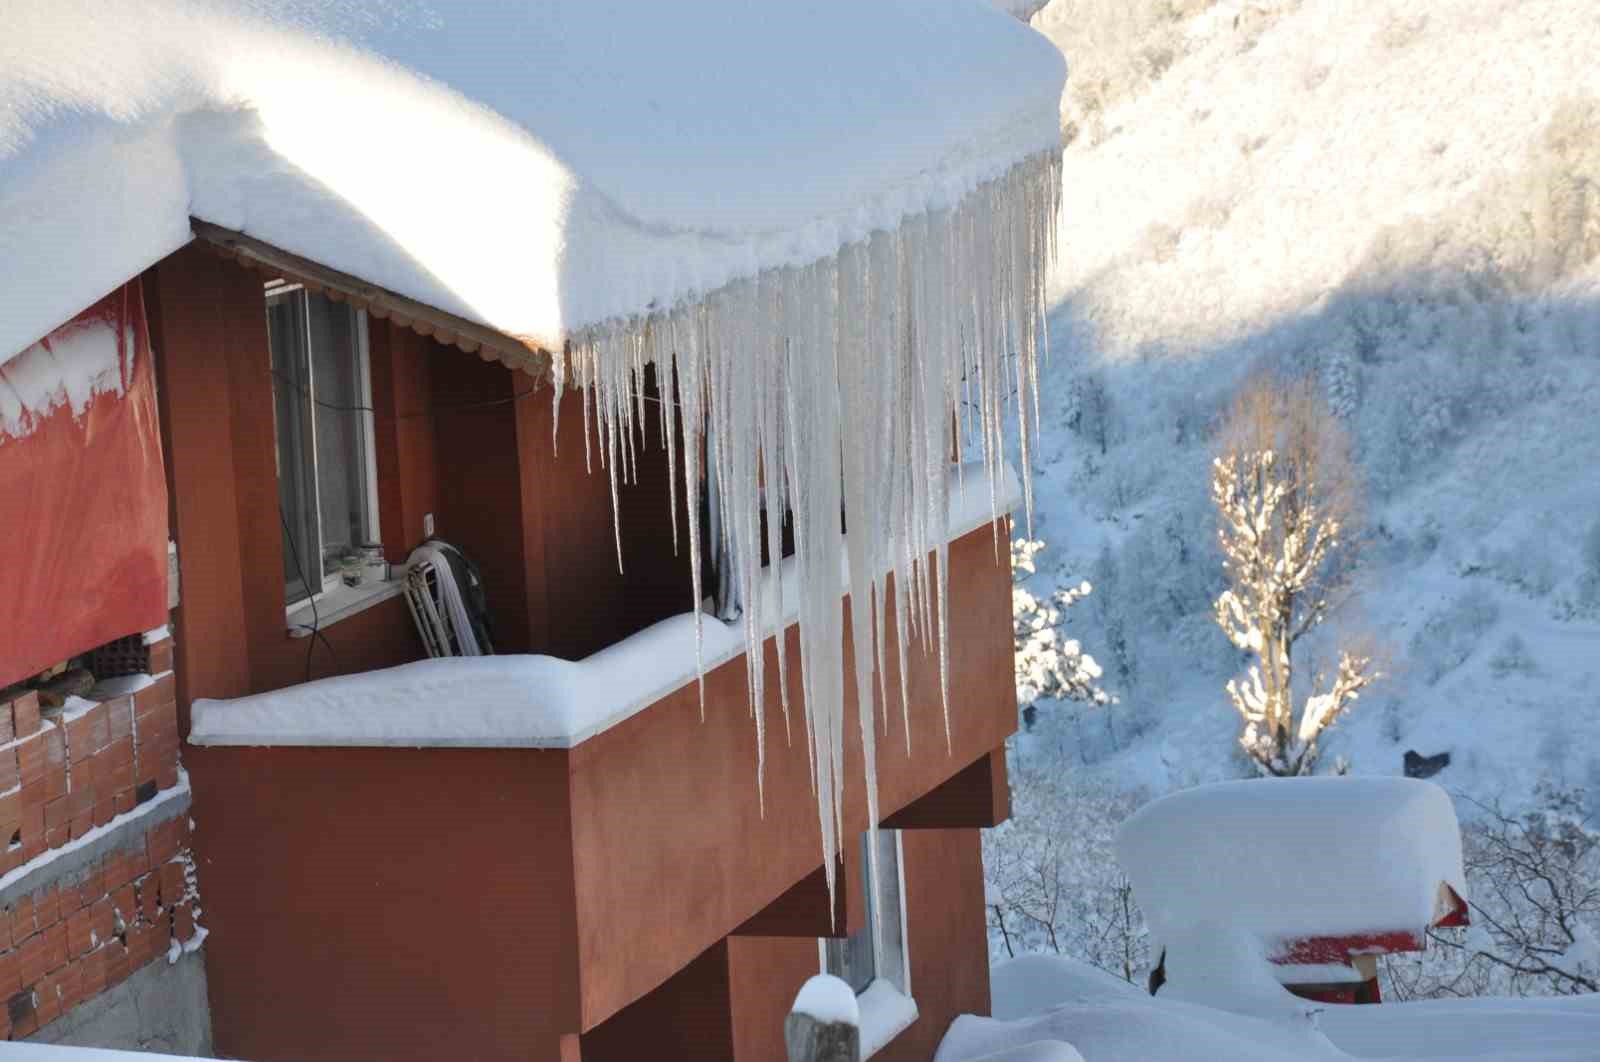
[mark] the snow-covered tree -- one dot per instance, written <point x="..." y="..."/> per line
<point x="1051" y="878"/>
<point x="1049" y="665"/>
<point x="1534" y="884"/>
<point x="1286" y="495"/>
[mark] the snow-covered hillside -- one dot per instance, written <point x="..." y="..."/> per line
<point x="1402" y="198"/>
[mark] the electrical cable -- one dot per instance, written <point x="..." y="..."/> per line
<point x="315" y="630"/>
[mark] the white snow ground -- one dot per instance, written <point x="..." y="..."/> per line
<point x="1402" y="198"/>
<point x="1045" y="998"/>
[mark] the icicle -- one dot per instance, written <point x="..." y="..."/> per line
<point x="841" y="385"/>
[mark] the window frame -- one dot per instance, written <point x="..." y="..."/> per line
<point x="901" y="984"/>
<point x="305" y="448"/>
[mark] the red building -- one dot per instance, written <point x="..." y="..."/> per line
<point x="566" y="851"/>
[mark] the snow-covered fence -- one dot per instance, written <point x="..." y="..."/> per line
<point x="824" y="1024"/>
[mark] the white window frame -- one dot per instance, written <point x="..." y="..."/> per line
<point x="330" y="584"/>
<point x="887" y="1009"/>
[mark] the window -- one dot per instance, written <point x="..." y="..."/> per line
<point x="322" y="417"/>
<point x="858" y="959"/>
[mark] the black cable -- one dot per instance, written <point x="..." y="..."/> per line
<point x="308" y="396"/>
<point x="316" y="619"/>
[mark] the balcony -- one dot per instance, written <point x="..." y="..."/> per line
<point x="511" y="850"/>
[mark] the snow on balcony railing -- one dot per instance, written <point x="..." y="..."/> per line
<point x="524" y="701"/>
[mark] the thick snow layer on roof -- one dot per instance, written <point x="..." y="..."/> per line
<point x="1291" y="857"/>
<point x="535" y="167"/>
<point x="516" y="700"/>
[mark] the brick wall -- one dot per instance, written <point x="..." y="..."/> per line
<point x="96" y="878"/>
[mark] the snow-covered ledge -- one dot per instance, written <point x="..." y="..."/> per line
<point x="525" y="701"/>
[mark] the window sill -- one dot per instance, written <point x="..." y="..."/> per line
<point x="885" y="1014"/>
<point x="340" y="603"/>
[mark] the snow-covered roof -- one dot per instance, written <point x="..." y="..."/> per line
<point x="1284" y="858"/>
<point x="535" y="167"/>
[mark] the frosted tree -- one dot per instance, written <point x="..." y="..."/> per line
<point x="1534" y="882"/>
<point x="1049" y="664"/>
<point x="1287" y="500"/>
<point x="1051" y="880"/>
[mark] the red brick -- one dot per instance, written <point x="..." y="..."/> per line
<point x="47" y="906"/>
<point x="104" y="921"/>
<point x="167" y="776"/>
<point x="31" y="760"/>
<point x="161" y="656"/>
<point x="94" y="970"/>
<point x="183" y="923"/>
<point x="10" y="975"/>
<point x="150" y="898"/>
<point x="125" y="901"/>
<point x="56" y="938"/>
<point x="55" y="781"/>
<point x="22" y="925"/>
<point x="116" y="963"/>
<point x="27" y="1025"/>
<point x="57" y="813"/>
<point x="47" y="999"/>
<point x="80" y="932"/>
<point x="123" y="801"/>
<point x="80" y="789"/>
<point x="119" y="718"/>
<point x="82" y="823"/>
<point x="120" y="750"/>
<point x="103" y="812"/>
<point x="164" y="841"/>
<point x="118" y="869"/>
<point x="70" y="980"/>
<point x="88" y="733"/>
<point x="55" y="743"/>
<point x="7" y="732"/>
<point x="158" y="698"/>
<point x="25" y="714"/>
<point x="149" y="942"/>
<point x="91" y="883"/>
<point x="32" y="818"/>
<point x="10" y="778"/>
<point x="34" y="959"/>
<point x="10" y="815"/>
<point x="173" y="886"/>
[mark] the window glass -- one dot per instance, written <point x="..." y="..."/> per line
<point x="323" y="433"/>
<point x="292" y="423"/>
<point x="858" y="959"/>
<point x="341" y="457"/>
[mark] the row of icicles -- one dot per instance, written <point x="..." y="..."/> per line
<point x="837" y="387"/>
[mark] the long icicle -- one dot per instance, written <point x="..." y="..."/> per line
<point x="839" y="386"/>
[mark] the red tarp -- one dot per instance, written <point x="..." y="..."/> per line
<point x="83" y="495"/>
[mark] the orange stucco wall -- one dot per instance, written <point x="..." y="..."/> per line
<point x="667" y="805"/>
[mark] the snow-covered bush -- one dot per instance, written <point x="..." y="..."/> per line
<point x="1512" y="658"/>
<point x="1051" y="878"/>
<point x="1534" y="880"/>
